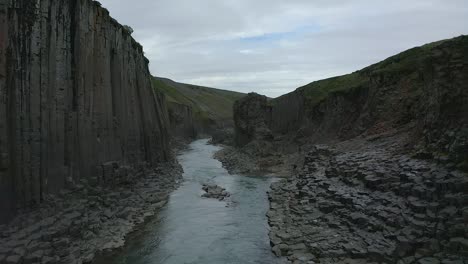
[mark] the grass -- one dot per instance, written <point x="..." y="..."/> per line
<point x="207" y="103"/>
<point x="407" y="63"/>
<point x="317" y="91"/>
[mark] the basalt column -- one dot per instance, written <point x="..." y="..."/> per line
<point x="76" y="101"/>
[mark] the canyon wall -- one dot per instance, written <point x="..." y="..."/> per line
<point x="182" y="121"/>
<point x="376" y="160"/>
<point x="423" y="90"/>
<point x="76" y="101"/>
<point x="251" y="118"/>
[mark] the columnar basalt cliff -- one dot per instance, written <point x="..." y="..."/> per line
<point x="76" y="101"/>
<point x="181" y="120"/>
<point x="387" y="182"/>
<point x="424" y="89"/>
<point x="251" y="119"/>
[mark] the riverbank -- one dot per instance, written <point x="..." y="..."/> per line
<point x="365" y="200"/>
<point x="87" y="220"/>
<point x="369" y="201"/>
<point x="276" y="159"/>
<point x="192" y="228"/>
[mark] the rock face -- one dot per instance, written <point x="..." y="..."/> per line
<point x="251" y="119"/>
<point x="390" y="183"/>
<point x="422" y="90"/>
<point x="181" y="120"/>
<point x="215" y="191"/>
<point x="76" y="101"/>
<point x="367" y="203"/>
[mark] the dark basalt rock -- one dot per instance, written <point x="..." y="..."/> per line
<point x="416" y="217"/>
<point x="215" y="191"/>
<point x="391" y="188"/>
<point x="76" y="104"/>
<point x="251" y="115"/>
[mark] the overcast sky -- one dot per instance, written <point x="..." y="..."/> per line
<point x="274" y="46"/>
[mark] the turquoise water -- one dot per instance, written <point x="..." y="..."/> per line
<point x="191" y="229"/>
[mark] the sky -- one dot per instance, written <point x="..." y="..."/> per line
<point x="274" y="46"/>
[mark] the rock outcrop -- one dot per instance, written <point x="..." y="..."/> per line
<point x="365" y="202"/>
<point x="422" y="90"/>
<point x="76" y="101"/>
<point x="215" y="191"/>
<point x="391" y="185"/>
<point x="251" y="119"/>
<point x="181" y="120"/>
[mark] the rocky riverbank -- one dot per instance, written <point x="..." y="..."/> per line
<point x="86" y="220"/>
<point x="365" y="201"/>
<point x="260" y="158"/>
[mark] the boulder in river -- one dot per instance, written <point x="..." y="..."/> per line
<point x="215" y="191"/>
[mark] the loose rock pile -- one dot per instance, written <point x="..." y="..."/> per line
<point x="370" y="206"/>
<point x="85" y="221"/>
<point x="215" y="191"/>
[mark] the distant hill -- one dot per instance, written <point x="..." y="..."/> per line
<point x="211" y="108"/>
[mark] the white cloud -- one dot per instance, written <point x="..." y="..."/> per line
<point x="274" y="46"/>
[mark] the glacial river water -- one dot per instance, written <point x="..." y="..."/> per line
<point x="192" y="229"/>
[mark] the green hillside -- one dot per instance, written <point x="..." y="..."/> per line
<point x="208" y="104"/>
<point x="405" y="63"/>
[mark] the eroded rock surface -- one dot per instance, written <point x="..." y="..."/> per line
<point x="215" y="191"/>
<point x="251" y="115"/>
<point x="85" y="221"/>
<point x="370" y="204"/>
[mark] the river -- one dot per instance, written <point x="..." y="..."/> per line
<point x="192" y="229"/>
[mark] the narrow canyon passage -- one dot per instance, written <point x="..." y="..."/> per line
<point x="192" y="229"/>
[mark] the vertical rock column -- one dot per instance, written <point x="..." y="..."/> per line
<point x="75" y="94"/>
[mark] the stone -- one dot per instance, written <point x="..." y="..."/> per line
<point x="50" y="260"/>
<point x="428" y="261"/>
<point x="124" y="213"/>
<point x="88" y="258"/>
<point x="61" y="243"/>
<point x="458" y="244"/>
<point x="250" y="118"/>
<point x="14" y="259"/>
<point x="35" y="257"/>
<point x="215" y="191"/>
<point x="108" y="213"/>
<point x="371" y="221"/>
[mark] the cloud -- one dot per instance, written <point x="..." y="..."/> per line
<point x="275" y="46"/>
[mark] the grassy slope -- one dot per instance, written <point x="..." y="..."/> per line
<point x="207" y="103"/>
<point x="406" y="62"/>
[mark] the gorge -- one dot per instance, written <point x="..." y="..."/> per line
<point x="101" y="162"/>
<point x="377" y="157"/>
